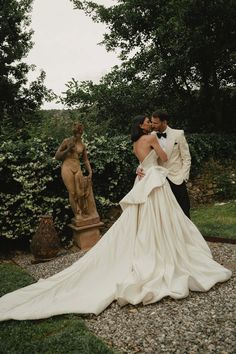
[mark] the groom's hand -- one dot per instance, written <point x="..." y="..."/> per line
<point x="140" y="173"/>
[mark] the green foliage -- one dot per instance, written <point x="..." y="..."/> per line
<point x="216" y="220"/>
<point x="58" y="124"/>
<point x="28" y="188"/>
<point x="175" y="54"/>
<point x="53" y="123"/>
<point x="226" y="184"/>
<point x="206" y="146"/>
<point x="61" y="334"/>
<point x="31" y="185"/>
<point x="113" y="165"/>
<point x="113" y="102"/>
<point x="18" y="100"/>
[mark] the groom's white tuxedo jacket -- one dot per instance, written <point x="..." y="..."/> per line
<point x="179" y="159"/>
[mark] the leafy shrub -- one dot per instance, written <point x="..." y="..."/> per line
<point x="113" y="165"/>
<point x="29" y="187"/>
<point x="226" y="184"/>
<point x="215" y="181"/>
<point x="206" y="146"/>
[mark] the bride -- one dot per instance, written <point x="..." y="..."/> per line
<point x="153" y="250"/>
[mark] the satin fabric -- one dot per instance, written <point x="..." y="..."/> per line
<point x="153" y="250"/>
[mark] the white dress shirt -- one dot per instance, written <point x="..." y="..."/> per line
<point x="162" y="140"/>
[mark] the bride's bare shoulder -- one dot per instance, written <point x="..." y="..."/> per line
<point x="151" y="138"/>
<point x="144" y="141"/>
<point x="147" y="137"/>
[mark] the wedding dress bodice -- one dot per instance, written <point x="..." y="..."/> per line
<point x="155" y="176"/>
<point x="149" y="161"/>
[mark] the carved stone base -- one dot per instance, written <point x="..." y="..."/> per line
<point x="85" y="237"/>
<point x="85" y="221"/>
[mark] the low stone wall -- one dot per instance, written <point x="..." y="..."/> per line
<point x="200" y="192"/>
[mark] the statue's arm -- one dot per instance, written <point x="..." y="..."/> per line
<point x="87" y="163"/>
<point x="63" y="149"/>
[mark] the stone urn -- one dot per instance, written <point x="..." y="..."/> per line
<point x="45" y="243"/>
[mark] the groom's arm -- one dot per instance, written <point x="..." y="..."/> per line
<point x="185" y="156"/>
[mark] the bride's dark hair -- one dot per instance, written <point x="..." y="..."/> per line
<point x="136" y="131"/>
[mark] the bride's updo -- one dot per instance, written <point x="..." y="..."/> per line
<point x="136" y="131"/>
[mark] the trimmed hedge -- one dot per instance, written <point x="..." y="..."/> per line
<point x="30" y="182"/>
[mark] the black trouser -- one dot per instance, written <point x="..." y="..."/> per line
<point x="181" y="194"/>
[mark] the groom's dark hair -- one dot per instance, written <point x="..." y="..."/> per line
<point x="136" y="131"/>
<point x="162" y="115"/>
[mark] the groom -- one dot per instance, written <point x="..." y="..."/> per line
<point x="179" y="160"/>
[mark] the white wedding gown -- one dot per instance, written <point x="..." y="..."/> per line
<point x="153" y="250"/>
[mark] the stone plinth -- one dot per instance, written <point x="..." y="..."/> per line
<point x="86" y="236"/>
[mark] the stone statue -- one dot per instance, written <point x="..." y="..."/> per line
<point x="79" y="186"/>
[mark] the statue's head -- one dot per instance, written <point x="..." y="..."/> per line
<point x="78" y="128"/>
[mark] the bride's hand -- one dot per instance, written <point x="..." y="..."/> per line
<point x="140" y="173"/>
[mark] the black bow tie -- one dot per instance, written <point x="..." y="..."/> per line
<point x="161" y="134"/>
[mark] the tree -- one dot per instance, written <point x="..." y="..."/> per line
<point x="113" y="101"/>
<point x="17" y="101"/>
<point x="183" y="48"/>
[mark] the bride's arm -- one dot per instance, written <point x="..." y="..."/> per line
<point x="154" y="141"/>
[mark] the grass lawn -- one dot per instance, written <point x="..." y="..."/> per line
<point x="60" y="334"/>
<point x="218" y="220"/>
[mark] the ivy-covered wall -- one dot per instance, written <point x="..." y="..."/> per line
<point x="30" y="182"/>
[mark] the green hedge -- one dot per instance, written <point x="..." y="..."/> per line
<point x="30" y="182"/>
<point x="29" y="187"/>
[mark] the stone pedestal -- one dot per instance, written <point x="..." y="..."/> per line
<point x="86" y="236"/>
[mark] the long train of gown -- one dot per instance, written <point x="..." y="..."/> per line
<point x="153" y="250"/>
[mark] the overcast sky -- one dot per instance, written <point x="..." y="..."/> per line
<point x="66" y="45"/>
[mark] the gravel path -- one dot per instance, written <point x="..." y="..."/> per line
<point x="202" y="323"/>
